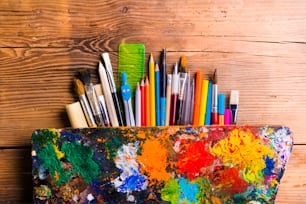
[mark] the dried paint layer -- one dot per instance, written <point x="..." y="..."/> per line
<point x="228" y="164"/>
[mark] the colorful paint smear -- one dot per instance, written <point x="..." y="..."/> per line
<point x="209" y="164"/>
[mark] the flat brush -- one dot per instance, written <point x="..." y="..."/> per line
<point x="80" y="90"/>
<point x="234" y="101"/>
<point x="182" y="82"/>
<point x="92" y="97"/>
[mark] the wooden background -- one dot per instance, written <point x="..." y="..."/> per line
<point x="258" y="47"/>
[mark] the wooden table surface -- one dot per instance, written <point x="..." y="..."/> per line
<point x="258" y="47"/>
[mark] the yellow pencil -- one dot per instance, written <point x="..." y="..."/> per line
<point x="204" y="92"/>
<point x="152" y="89"/>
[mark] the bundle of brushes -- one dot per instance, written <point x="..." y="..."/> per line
<point x="161" y="98"/>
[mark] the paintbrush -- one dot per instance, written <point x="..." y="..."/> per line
<point x="92" y="97"/>
<point x="80" y="90"/>
<point x="180" y="100"/>
<point x="234" y="101"/>
<point x="214" y="108"/>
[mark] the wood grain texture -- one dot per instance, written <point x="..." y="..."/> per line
<point x="258" y="47"/>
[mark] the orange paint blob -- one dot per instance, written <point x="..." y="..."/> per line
<point x="153" y="160"/>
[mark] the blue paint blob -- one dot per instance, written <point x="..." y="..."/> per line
<point x="133" y="183"/>
<point x="189" y="190"/>
<point x="269" y="166"/>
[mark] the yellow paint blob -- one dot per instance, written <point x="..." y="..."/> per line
<point x="153" y="160"/>
<point x="242" y="149"/>
<point x="58" y="153"/>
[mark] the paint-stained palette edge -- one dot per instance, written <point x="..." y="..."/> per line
<point x="160" y="164"/>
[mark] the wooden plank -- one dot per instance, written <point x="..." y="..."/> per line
<point x="64" y="24"/>
<point x="293" y="185"/>
<point x="36" y="84"/>
<point x="16" y="177"/>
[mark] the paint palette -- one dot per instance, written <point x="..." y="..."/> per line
<point x="209" y="164"/>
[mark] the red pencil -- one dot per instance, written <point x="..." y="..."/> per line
<point x="143" y="103"/>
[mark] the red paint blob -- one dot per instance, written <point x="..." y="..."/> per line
<point x="194" y="159"/>
<point x="229" y="181"/>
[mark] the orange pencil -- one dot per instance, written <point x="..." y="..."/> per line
<point x="197" y="98"/>
<point x="148" y="110"/>
<point x="143" y="103"/>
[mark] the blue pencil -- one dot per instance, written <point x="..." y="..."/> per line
<point x="208" y="106"/>
<point x="157" y="93"/>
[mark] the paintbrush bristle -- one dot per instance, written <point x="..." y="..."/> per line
<point x="215" y="78"/>
<point x="85" y="76"/>
<point x="79" y="87"/>
<point x="183" y="64"/>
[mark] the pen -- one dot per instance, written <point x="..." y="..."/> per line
<point x="80" y="90"/>
<point x="138" y="106"/>
<point x="109" y="72"/>
<point x="92" y="97"/>
<point x="152" y="90"/>
<point x="163" y="84"/>
<point x="214" y="109"/>
<point x="108" y="96"/>
<point x="157" y="93"/>
<point x="126" y="96"/>
<point x="182" y="82"/>
<point x="174" y="94"/>
<point x="168" y="98"/>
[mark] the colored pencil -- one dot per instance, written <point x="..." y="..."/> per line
<point x="148" y="104"/>
<point x="163" y="87"/>
<point x="152" y="90"/>
<point x="204" y="93"/>
<point x="208" y="106"/>
<point x="138" y="106"/>
<point x="157" y="93"/>
<point x="197" y="98"/>
<point x="143" y="103"/>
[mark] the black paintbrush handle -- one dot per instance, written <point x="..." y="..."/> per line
<point x="179" y="112"/>
<point x="117" y="107"/>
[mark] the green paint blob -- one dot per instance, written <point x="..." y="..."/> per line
<point x="81" y="159"/>
<point x="40" y="137"/>
<point x="171" y="191"/>
<point x="49" y="160"/>
<point x="112" y="145"/>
